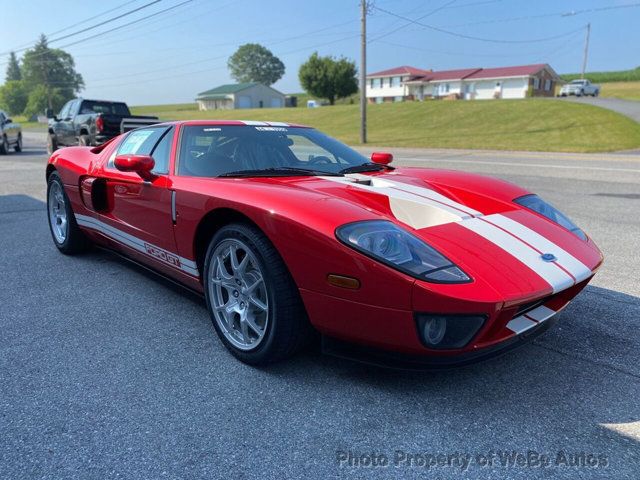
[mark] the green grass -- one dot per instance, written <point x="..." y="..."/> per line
<point x="532" y="124"/>
<point x="623" y="90"/>
<point x="605" y="77"/>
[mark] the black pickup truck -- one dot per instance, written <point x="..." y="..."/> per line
<point x="91" y="122"/>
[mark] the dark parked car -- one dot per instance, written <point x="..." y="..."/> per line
<point x="91" y="122"/>
<point x="10" y="134"/>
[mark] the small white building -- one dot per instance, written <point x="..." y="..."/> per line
<point x="240" y="95"/>
<point x="537" y="80"/>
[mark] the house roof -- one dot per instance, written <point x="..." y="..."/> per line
<point x="404" y="70"/>
<point x="227" y="89"/>
<point x="450" y="74"/>
<point x="519" y="71"/>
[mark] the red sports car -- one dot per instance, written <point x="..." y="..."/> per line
<point x="288" y="232"/>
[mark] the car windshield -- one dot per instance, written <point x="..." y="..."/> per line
<point x="261" y="150"/>
<point x="108" y="108"/>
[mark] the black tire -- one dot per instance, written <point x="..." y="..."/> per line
<point x="4" y="145"/>
<point x="83" y="140"/>
<point x="18" y="146"/>
<point x="288" y="329"/>
<point x="52" y="144"/>
<point x="75" y="241"/>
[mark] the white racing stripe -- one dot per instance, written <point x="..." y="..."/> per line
<point x="552" y="274"/>
<point x="165" y="256"/>
<point x="418" y="207"/>
<point x="574" y="266"/>
<point x="530" y="319"/>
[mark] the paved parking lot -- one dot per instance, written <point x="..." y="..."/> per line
<point x="107" y="372"/>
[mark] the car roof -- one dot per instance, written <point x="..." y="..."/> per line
<point x="248" y="123"/>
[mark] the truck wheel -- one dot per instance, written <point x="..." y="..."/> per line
<point x="84" y="141"/>
<point x="18" y="145"/>
<point x="4" y="145"/>
<point x="52" y="144"/>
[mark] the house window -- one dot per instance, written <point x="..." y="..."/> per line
<point x="379" y="99"/>
<point x="446" y="88"/>
<point x="547" y="85"/>
<point x="536" y="83"/>
<point x="397" y="99"/>
<point x="371" y="83"/>
<point x="379" y="82"/>
<point x="395" y="81"/>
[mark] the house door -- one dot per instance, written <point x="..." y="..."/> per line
<point x="244" y="102"/>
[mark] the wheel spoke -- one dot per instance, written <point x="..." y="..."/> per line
<point x="244" y="328"/>
<point x="222" y="271"/>
<point x="254" y="326"/>
<point x="233" y="256"/>
<point x="258" y="303"/>
<point x="251" y="288"/>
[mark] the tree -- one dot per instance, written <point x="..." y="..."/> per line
<point x="13" y="68"/>
<point x="13" y="97"/>
<point x="254" y="63"/>
<point x="327" y="77"/>
<point x="40" y="98"/>
<point x="54" y="69"/>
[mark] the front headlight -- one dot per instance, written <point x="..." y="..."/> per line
<point x="535" y="203"/>
<point x="391" y="245"/>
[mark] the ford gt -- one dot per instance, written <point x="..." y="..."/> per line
<point x="289" y="233"/>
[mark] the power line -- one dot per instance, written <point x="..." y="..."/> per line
<point x="91" y="27"/>
<point x="28" y="44"/>
<point x="428" y="14"/>
<point x="471" y="37"/>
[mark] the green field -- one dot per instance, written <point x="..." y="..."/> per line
<point x="532" y="124"/>
<point x="606" y="77"/>
<point x="623" y="90"/>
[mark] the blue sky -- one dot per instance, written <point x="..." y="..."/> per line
<point x="171" y="57"/>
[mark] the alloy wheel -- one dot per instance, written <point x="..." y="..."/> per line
<point x="57" y="213"/>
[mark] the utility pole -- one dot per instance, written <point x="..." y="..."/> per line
<point x="363" y="71"/>
<point x="586" y="50"/>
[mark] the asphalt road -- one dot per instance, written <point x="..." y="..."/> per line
<point x="107" y="372"/>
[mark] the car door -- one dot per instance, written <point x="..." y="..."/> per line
<point x="138" y="213"/>
<point x="58" y="125"/>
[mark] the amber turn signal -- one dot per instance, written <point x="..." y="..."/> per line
<point x="343" y="282"/>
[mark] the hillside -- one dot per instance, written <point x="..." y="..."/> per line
<point x="605" y="77"/>
<point x="534" y="124"/>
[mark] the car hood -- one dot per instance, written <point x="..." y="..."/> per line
<point x="469" y="218"/>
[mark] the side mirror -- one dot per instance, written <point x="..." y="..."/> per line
<point x="141" y="164"/>
<point x="49" y="113"/>
<point x="381" y="158"/>
<point x="8" y="120"/>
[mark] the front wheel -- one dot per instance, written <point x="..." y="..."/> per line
<point x="18" y="146"/>
<point x="66" y="234"/>
<point x="253" y="301"/>
<point x="4" y="145"/>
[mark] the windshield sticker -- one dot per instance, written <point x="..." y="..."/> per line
<point x="271" y="129"/>
<point x="212" y="129"/>
<point x="134" y="141"/>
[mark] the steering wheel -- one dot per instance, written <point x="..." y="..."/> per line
<point x="320" y="160"/>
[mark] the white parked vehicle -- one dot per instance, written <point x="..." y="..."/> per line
<point x="579" y="88"/>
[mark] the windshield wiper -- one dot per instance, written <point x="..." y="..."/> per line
<point x="279" y="172"/>
<point x="364" y="167"/>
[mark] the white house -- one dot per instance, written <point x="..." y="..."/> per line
<point x="390" y="85"/>
<point x="240" y="95"/>
<point x="537" y="80"/>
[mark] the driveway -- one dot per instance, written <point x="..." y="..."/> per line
<point x="628" y="108"/>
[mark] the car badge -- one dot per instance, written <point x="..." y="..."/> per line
<point x="548" y="257"/>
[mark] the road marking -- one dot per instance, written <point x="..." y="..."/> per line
<point x="522" y="164"/>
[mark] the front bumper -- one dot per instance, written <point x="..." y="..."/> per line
<point x="394" y="360"/>
<point x="391" y="337"/>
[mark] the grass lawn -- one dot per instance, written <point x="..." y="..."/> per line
<point x="532" y="124"/>
<point x="624" y="90"/>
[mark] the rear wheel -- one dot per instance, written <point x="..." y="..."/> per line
<point x="18" y="146"/>
<point x="52" y="144"/>
<point x="252" y="299"/>
<point x="66" y="234"/>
